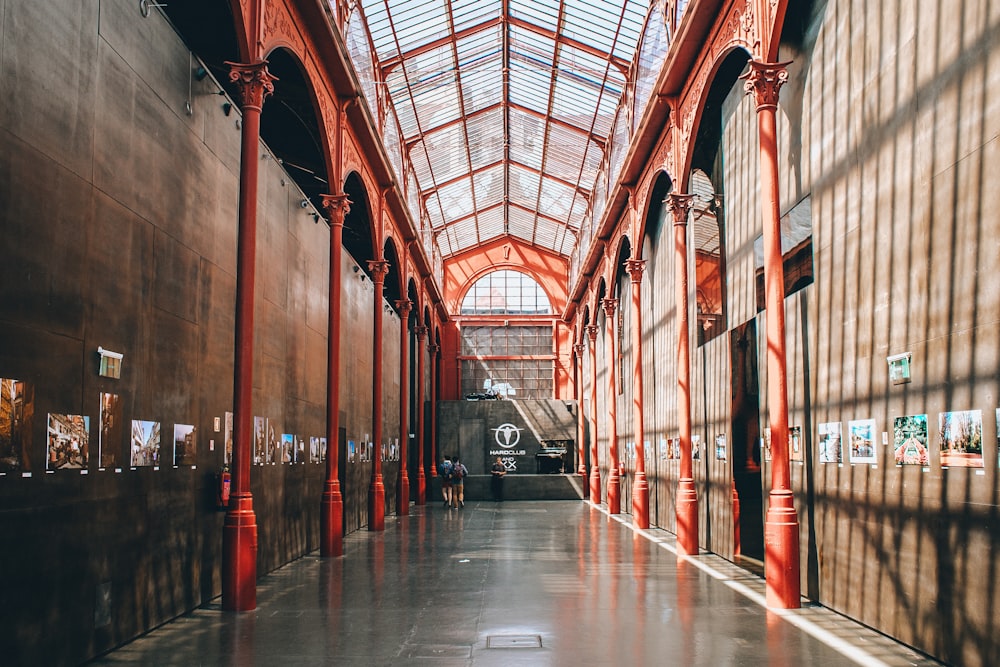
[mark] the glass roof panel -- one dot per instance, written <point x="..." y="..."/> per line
<point x="489" y="187"/>
<point x="543" y="14"/>
<point x="470" y="13"/>
<point x="495" y="137"/>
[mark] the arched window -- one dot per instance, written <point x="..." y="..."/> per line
<point x="506" y="292"/>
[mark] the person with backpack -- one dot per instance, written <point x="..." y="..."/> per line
<point x="445" y="470"/>
<point x="458" y="473"/>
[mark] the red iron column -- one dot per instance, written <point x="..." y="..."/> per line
<point x="434" y="349"/>
<point x="331" y="523"/>
<point x="614" y="476"/>
<point x="239" y="530"/>
<point x="687" y="497"/>
<point x="640" y="487"/>
<point x="403" y="485"/>
<point x="581" y="424"/>
<point x="376" y="492"/>
<point x="781" y="524"/>
<point x="595" y="464"/>
<point x="421" y="332"/>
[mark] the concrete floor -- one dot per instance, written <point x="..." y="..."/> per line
<point x="515" y="583"/>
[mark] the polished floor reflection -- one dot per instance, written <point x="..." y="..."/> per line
<point x="517" y="583"/>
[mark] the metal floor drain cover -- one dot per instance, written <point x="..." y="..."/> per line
<point x="514" y="641"/>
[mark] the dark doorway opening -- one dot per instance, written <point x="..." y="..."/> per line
<point x="749" y="512"/>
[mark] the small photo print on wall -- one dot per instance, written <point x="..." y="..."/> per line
<point x="275" y="453"/>
<point x="227" y="457"/>
<point x="259" y="440"/>
<point x="795" y="443"/>
<point x="287" y="451"/>
<point x="765" y="443"/>
<point x="145" y="443"/>
<point x="861" y="435"/>
<point x="301" y="453"/>
<point x="663" y="444"/>
<point x="315" y="453"/>
<point x="696" y="447"/>
<point x="961" y="439"/>
<point x="16" y="411"/>
<point x="831" y="448"/>
<point x="910" y="440"/>
<point x="720" y="447"/>
<point x="185" y="445"/>
<point x="110" y="437"/>
<point x="350" y="452"/>
<point x="68" y="442"/>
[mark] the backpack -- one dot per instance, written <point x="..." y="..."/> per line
<point x="446" y="470"/>
<point x="457" y="472"/>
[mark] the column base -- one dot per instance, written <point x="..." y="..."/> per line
<point x="239" y="556"/>
<point x="614" y="492"/>
<point x="376" y="505"/>
<point x="595" y="485"/>
<point x="403" y="495"/>
<point x="581" y="472"/>
<point x="640" y="501"/>
<point x="781" y="552"/>
<point x="687" y="518"/>
<point x="331" y="521"/>
<point x="421" y="486"/>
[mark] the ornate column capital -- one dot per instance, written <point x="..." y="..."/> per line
<point x="253" y="80"/>
<point x="635" y="268"/>
<point x="434" y="348"/>
<point x="338" y="206"/>
<point x="379" y="269"/>
<point x="680" y="206"/>
<point x="609" y="306"/>
<point x="421" y="332"/>
<point x="578" y="348"/>
<point x="764" y="81"/>
<point x="404" y="306"/>
<point x="591" y="330"/>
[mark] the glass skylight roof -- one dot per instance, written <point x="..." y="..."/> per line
<point x="505" y="108"/>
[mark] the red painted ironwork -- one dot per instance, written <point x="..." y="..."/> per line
<point x="595" y="464"/>
<point x="376" y="491"/>
<point x="331" y="525"/>
<point x="614" y="475"/>
<point x="640" y="485"/>
<point x="781" y="524"/>
<point x="421" y="332"/>
<point x="239" y="530"/>
<point x="403" y="481"/>
<point x="687" y="498"/>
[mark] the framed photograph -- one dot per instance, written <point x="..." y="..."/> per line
<point x="16" y="412"/>
<point x="110" y="437"/>
<point x="961" y="438"/>
<point x="831" y="446"/>
<point x="185" y="445"/>
<point x="350" y="451"/>
<point x="68" y="444"/>
<point x="145" y="449"/>
<point x="274" y="451"/>
<point x="765" y="444"/>
<point x="314" y="451"/>
<point x="227" y="457"/>
<point x="259" y="440"/>
<point x="909" y="443"/>
<point x="286" y="453"/>
<point x="696" y="447"/>
<point x="720" y="447"/>
<point x="663" y="444"/>
<point x="861" y="433"/>
<point x="795" y="443"/>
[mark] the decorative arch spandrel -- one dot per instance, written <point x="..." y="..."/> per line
<point x="279" y="30"/>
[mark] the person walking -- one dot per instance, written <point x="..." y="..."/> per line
<point x="458" y="474"/>
<point x="497" y="471"/>
<point x="446" y="469"/>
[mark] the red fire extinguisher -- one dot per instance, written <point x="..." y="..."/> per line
<point x="222" y="495"/>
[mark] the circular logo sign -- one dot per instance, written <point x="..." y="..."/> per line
<point x="507" y="435"/>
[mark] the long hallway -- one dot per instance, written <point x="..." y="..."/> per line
<point x="526" y="583"/>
